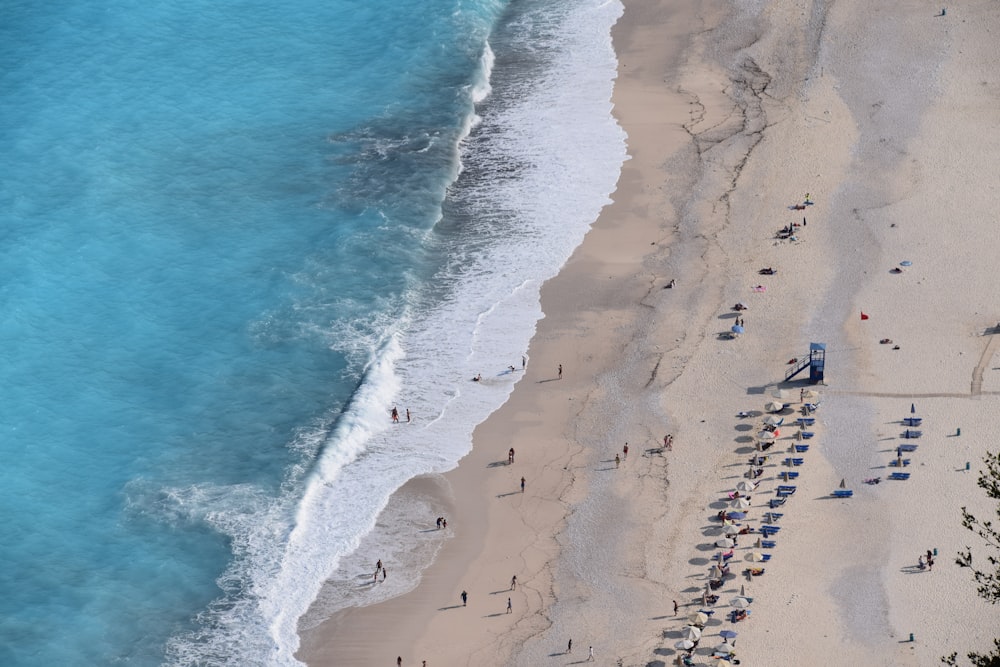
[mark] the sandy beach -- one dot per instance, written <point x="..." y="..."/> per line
<point x="887" y="117"/>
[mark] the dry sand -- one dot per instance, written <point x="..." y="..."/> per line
<point x="888" y="116"/>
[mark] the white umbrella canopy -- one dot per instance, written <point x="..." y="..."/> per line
<point x="684" y="645"/>
<point x="740" y="503"/>
<point x="755" y="557"/>
<point x="691" y="633"/>
<point x="767" y="436"/>
<point x="724" y="648"/>
<point x="730" y="530"/>
<point x="740" y="603"/>
<point x="774" y="406"/>
<point x="745" y="487"/>
<point x="724" y="543"/>
<point x="810" y="393"/>
<point x="715" y="572"/>
<point x="773" y="420"/>
<point x="698" y="618"/>
<point x="780" y="394"/>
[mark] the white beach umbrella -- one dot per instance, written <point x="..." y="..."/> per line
<point x="755" y="557"/>
<point x="767" y="436"/>
<point x="724" y="648"/>
<point x="739" y="503"/>
<point x="780" y="394"/>
<point x="773" y="420"/>
<point x="724" y="543"/>
<point x="698" y="618"/>
<point x="740" y="603"/>
<point x="730" y="530"/>
<point x="684" y="645"/>
<point x="691" y="633"/>
<point x="774" y="406"/>
<point x="745" y="487"/>
<point x="715" y="572"/>
<point x="810" y="393"/>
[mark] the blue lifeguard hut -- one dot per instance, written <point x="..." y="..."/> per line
<point x="815" y="362"/>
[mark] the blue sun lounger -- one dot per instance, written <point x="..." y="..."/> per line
<point x="768" y="544"/>
<point x="806" y="434"/>
<point x="777" y="502"/>
<point x="801" y="448"/>
<point x="907" y="448"/>
<point x="773" y="517"/>
<point x="909" y="433"/>
<point x="843" y="493"/>
<point x="806" y="421"/>
<point x="895" y="463"/>
<point x="790" y="474"/>
<point x="900" y="475"/>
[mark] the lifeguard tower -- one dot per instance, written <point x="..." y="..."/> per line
<point x="815" y="362"/>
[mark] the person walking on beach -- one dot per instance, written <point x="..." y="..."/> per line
<point x="590" y="658"/>
<point x="407" y="415"/>
<point x="509" y="607"/>
<point x="560" y="371"/>
<point x="513" y="582"/>
<point x="569" y="646"/>
<point x="383" y="574"/>
<point x="625" y="451"/>
<point x="510" y="456"/>
<point x="618" y="461"/>
<point x="465" y="598"/>
<point x="524" y="362"/>
<point x="395" y="415"/>
<point x="522" y="485"/>
<point x="399" y="661"/>
<point x="675" y="607"/>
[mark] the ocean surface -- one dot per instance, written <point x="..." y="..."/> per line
<point x="234" y="236"/>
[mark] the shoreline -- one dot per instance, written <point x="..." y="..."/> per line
<point x="600" y="549"/>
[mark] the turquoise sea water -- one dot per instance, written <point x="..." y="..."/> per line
<point x="234" y="235"/>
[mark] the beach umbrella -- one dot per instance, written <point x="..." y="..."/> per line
<point x="780" y="394"/>
<point x="745" y="487"/>
<point x="740" y="503"/>
<point x="724" y="543"/>
<point x="684" y="645"/>
<point x="767" y="436"/>
<point x="755" y="556"/>
<point x="715" y="572"/>
<point x="774" y="406"/>
<point x="742" y="590"/>
<point x="736" y="515"/>
<point x="698" y="618"/>
<point x="913" y="408"/>
<point x="740" y="603"/>
<point x="724" y="649"/>
<point x="691" y="633"/>
<point x="737" y="329"/>
<point x="810" y="393"/>
<point x="728" y="634"/>
<point x="774" y="420"/>
<point x="730" y="530"/>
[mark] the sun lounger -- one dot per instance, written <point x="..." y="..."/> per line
<point x="777" y="502"/>
<point x="798" y="461"/>
<point x="773" y="517"/>
<point x="801" y="448"/>
<point x="727" y="555"/>
<point x="790" y="474"/>
<point x="765" y="557"/>
<point x="910" y="433"/>
<point x="895" y="463"/>
<point x="843" y="493"/>
<point x="912" y="421"/>
<point x="758" y="460"/>
<point x="806" y="434"/>
<point x="806" y="421"/>
<point x="907" y="448"/>
<point x="900" y="475"/>
<point x="768" y="544"/>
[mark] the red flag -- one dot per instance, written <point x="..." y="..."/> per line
<point x="863" y="316"/>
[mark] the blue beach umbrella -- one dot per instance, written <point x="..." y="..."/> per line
<point x="728" y="634"/>
<point x="737" y="329"/>
<point x="736" y="515"/>
<point x="913" y="408"/>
